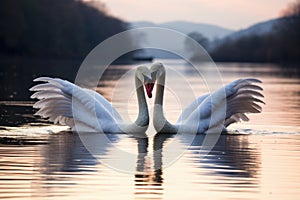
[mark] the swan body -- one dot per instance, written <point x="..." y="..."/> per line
<point x="82" y="109"/>
<point x="223" y="107"/>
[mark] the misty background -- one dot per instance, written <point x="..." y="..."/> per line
<point x="52" y="37"/>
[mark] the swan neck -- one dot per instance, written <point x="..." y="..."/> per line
<point x="142" y="122"/>
<point x="160" y="88"/>
<point x="160" y="122"/>
<point x="143" y="116"/>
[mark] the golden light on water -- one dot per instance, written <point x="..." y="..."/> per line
<point x="257" y="160"/>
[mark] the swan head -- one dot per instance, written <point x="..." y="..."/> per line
<point x="143" y="73"/>
<point x="149" y="76"/>
<point x="157" y="69"/>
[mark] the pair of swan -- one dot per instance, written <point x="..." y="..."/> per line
<point x="86" y="110"/>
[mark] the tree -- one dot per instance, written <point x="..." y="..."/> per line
<point x="54" y="28"/>
<point x="282" y="44"/>
<point x="192" y="47"/>
<point x="199" y="38"/>
<point x="293" y="9"/>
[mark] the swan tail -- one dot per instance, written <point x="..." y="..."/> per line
<point x="243" y="97"/>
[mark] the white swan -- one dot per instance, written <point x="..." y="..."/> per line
<point x="90" y="111"/>
<point x="240" y="97"/>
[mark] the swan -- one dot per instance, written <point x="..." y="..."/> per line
<point x="82" y="109"/>
<point x="240" y="97"/>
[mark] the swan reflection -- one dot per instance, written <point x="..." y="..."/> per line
<point x="66" y="161"/>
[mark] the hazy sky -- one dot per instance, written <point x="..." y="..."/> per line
<point x="234" y="14"/>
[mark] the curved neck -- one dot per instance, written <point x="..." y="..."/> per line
<point x="143" y="116"/>
<point x="140" y="125"/>
<point x="160" y="122"/>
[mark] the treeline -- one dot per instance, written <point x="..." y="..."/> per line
<point x="282" y="44"/>
<point x="54" y="28"/>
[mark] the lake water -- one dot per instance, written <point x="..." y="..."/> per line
<point x="255" y="160"/>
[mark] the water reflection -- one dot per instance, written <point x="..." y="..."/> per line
<point x="17" y="114"/>
<point x="146" y="184"/>
<point x="231" y="156"/>
<point x="64" y="168"/>
<point x="232" y="162"/>
<point x="255" y="164"/>
<point x="149" y="184"/>
<point x="66" y="159"/>
<point x="16" y="75"/>
<point x="66" y="153"/>
<point x="158" y="146"/>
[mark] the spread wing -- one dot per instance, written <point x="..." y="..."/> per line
<point x="65" y="103"/>
<point x="227" y="105"/>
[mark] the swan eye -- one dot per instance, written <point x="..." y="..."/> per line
<point x="154" y="75"/>
<point x="146" y="79"/>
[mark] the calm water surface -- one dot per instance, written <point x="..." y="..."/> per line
<point x="256" y="160"/>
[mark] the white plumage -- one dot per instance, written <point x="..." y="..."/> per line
<point x="82" y="109"/>
<point x="225" y="106"/>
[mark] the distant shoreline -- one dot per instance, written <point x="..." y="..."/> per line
<point x="16" y="59"/>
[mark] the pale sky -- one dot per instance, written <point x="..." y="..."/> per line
<point x="233" y="14"/>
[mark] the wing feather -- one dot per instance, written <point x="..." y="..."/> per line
<point x="235" y="100"/>
<point x="65" y="103"/>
